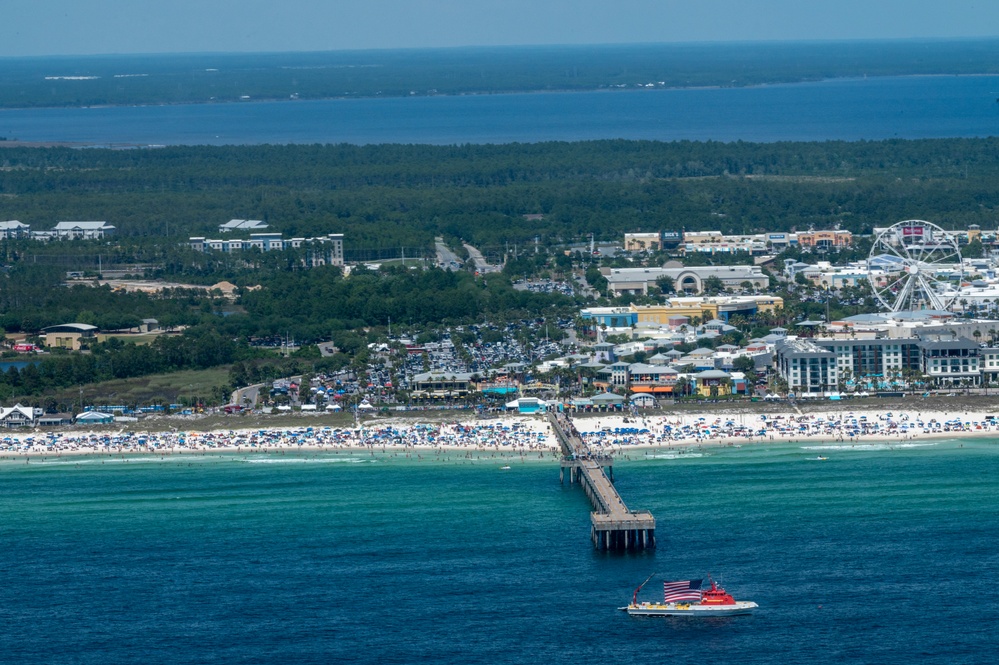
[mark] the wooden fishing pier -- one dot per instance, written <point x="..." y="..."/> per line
<point x="612" y="525"/>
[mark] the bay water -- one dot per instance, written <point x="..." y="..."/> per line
<point x="910" y="107"/>
<point x="874" y="555"/>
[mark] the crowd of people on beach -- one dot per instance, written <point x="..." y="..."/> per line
<point x="517" y="434"/>
<point x="666" y="430"/>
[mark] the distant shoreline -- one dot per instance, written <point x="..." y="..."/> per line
<point x="469" y="93"/>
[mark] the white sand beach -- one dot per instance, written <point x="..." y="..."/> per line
<point x="613" y="433"/>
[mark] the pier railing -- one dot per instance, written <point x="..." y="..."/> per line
<point x="612" y="524"/>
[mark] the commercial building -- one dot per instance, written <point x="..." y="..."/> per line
<point x="705" y="309"/>
<point x="442" y="385"/>
<point x="622" y="281"/>
<point x="713" y="242"/>
<point x="825" y="239"/>
<point x="69" y="335"/>
<point x="610" y="317"/>
<point x="677" y="312"/>
<point x="638" y="242"/>
<point x="652" y="379"/>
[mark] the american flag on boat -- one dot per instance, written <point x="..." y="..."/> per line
<point x="683" y="591"/>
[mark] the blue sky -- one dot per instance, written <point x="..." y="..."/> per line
<point x="65" y="27"/>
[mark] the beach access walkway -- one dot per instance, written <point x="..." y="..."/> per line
<point x="612" y="525"/>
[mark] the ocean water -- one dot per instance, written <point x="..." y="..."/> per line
<point x="874" y="555"/>
<point x="843" y="109"/>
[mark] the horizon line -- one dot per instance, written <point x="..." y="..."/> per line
<point x="485" y="47"/>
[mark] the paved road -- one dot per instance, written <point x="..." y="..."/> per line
<point x="481" y="266"/>
<point x="445" y="257"/>
<point x="247" y="396"/>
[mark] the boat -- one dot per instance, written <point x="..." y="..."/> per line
<point x="686" y="598"/>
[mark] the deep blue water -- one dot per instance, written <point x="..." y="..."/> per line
<point x="847" y="109"/>
<point x="873" y="556"/>
<point x="19" y="364"/>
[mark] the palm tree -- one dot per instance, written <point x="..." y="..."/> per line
<point x="845" y="377"/>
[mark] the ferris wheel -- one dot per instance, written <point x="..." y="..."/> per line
<point x="915" y="265"/>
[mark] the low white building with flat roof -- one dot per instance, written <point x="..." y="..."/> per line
<point x="242" y="225"/>
<point x="621" y="281"/>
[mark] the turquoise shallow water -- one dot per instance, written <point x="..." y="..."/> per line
<point x="871" y="556"/>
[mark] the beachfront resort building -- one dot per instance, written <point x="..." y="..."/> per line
<point x="887" y="363"/>
<point x="874" y="361"/>
<point x="808" y="368"/>
<point x="953" y="362"/>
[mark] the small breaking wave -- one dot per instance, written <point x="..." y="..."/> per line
<point x="871" y="446"/>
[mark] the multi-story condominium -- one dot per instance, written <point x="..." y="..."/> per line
<point x="806" y="367"/>
<point x="322" y="250"/>
<point x="952" y="362"/>
<point x="868" y="358"/>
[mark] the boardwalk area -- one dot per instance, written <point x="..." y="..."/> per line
<point x="612" y="524"/>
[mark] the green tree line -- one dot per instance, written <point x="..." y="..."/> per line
<point x="393" y="196"/>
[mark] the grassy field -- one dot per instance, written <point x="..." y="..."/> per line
<point x="141" y="339"/>
<point x="177" y="387"/>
